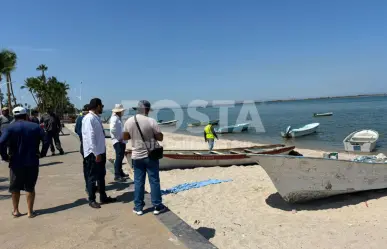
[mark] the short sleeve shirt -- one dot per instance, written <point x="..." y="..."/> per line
<point x="149" y="128"/>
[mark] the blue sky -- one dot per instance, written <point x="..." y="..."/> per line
<point x="185" y="50"/>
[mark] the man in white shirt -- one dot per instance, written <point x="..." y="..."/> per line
<point x="116" y="129"/>
<point x="141" y="162"/>
<point x="94" y="152"/>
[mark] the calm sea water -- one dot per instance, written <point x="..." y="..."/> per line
<point x="349" y="114"/>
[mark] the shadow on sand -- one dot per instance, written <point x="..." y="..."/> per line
<point x="334" y="202"/>
<point x="3" y="179"/>
<point x="49" y="164"/>
<point x="206" y="232"/>
<point x="63" y="207"/>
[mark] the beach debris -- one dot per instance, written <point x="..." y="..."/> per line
<point x="188" y="186"/>
<point x="380" y="158"/>
<point x="294" y="153"/>
<point x="294" y="211"/>
<point x="196" y="222"/>
<point x="366" y="204"/>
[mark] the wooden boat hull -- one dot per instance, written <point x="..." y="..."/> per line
<point x="300" y="179"/>
<point x="360" y="146"/>
<point x="177" y="160"/>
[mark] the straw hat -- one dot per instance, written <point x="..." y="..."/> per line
<point x="118" y="108"/>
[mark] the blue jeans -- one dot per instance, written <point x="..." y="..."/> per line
<point x="141" y="167"/>
<point x="120" y="154"/>
<point x="211" y="143"/>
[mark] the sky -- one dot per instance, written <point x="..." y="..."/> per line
<point x="183" y="50"/>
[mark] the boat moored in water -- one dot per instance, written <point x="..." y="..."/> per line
<point x="322" y="114"/>
<point x="167" y="123"/>
<point x="233" y="128"/>
<point x="302" y="131"/>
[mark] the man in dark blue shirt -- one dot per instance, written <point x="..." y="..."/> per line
<point x="23" y="138"/>
<point x="78" y="125"/>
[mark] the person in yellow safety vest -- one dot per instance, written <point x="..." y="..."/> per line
<point x="210" y="135"/>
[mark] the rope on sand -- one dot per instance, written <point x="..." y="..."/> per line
<point x="188" y="186"/>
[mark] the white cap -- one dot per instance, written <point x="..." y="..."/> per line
<point x="19" y="111"/>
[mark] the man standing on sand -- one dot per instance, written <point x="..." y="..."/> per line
<point x="78" y="125"/>
<point x="94" y="152"/>
<point x="210" y="135"/>
<point x="5" y="120"/>
<point x="116" y="129"/>
<point x="141" y="162"/>
<point x="23" y="138"/>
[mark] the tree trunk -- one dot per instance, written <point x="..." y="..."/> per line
<point x="13" y="95"/>
<point x="9" y="93"/>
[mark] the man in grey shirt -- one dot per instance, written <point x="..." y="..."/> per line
<point x="141" y="162"/>
<point x="5" y="120"/>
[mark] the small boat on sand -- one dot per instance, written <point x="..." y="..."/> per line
<point x="302" y="131"/>
<point x="363" y="141"/>
<point x="233" y="128"/>
<point x="180" y="159"/>
<point x="300" y="179"/>
<point x="213" y="122"/>
<point x="322" y="114"/>
<point x="167" y="123"/>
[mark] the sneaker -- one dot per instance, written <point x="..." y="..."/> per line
<point x="119" y="179"/>
<point x="61" y="152"/>
<point x="52" y="153"/>
<point x="93" y="204"/>
<point x="138" y="212"/>
<point x="159" y="209"/>
<point x="124" y="175"/>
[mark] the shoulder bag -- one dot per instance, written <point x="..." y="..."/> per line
<point x="154" y="154"/>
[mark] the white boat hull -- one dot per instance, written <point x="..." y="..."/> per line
<point x="299" y="179"/>
<point x="302" y="132"/>
<point x="351" y="144"/>
<point x="168" y="123"/>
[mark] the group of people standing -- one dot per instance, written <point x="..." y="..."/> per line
<point x="143" y="132"/>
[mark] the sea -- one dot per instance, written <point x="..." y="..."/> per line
<point x="268" y="119"/>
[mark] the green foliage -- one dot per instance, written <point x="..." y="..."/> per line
<point x="8" y="60"/>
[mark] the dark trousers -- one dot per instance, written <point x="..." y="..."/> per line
<point x="4" y="151"/>
<point x="49" y="136"/>
<point x="95" y="175"/>
<point x="120" y="153"/>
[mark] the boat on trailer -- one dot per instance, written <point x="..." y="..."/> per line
<point x="233" y="128"/>
<point x="363" y="141"/>
<point x="167" y="123"/>
<point x="300" y="179"/>
<point x="181" y="159"/>
<point x="302" y="131"/>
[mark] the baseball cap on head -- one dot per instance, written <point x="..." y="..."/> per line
<point x="19" y="111"/>
<point x="4" y="108"/>
<point x="143" y="104"/>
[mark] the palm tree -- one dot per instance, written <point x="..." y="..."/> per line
<point x="9" y="59"/>
<point x="2" y="66"/>
<point x="43" y="68"/>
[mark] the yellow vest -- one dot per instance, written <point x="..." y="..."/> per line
<point x="208" y="132"/>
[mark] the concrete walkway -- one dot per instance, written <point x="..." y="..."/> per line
<point x="66" y="221"/>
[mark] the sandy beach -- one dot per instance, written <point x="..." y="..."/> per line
<point x="248" y="212"/>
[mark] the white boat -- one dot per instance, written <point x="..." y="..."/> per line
<point x="299" y="179"/>
<point x="165" y="123"/>
<point x="182" y="159"/>
<point x="363" y="141"/>
<point x="302" y="131"/>
<point x="233" y="128"/>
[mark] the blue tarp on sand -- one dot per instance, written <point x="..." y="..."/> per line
<point x="188" y="186"/>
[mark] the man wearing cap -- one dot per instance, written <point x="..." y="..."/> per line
<point x="116" y="129"/>
<point x="23" y="138"/>
<point x="5" y="120"/>
<point x="94" y="152"/>
<point x="141" y="162"/>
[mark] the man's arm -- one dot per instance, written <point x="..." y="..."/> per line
<point x="4" y="136"/>
<point x="205" y="136"/>
<point x="113" y="128"/>
<point x="41" y="134"/>
<point x="78" y="127"/>
<point x="157" y="132"/>
<point x="213" y="132"/>
<point x="88" y="134"/>
<point x="126" y="134"/>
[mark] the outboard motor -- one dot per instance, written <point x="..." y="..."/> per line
<point x="287" y="131"/>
